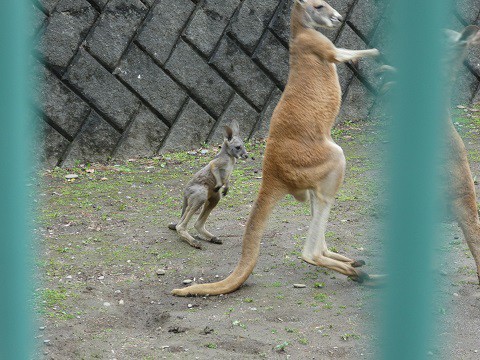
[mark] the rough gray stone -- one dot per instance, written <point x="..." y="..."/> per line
<point x="476" y="98"/>
<point x="191" y="129"/>
<point x="281" y="24"/>
<point x="48" y="5"/>
<point x="247" y="77"/>
<point x="146" y="78"/>
<point x="251" y="21"/>
<point x="67" y="28"/>
<point x="143" y="137"/>
<point x="349" y="40"/>
<point x="465" y="86"/>
<point x="100" y="3"/>
<point x="274" y="58"/>
<point x="345" y="75"/>
<point x="208" y="24"/>
<point x="59" y="103"/>
<point x="51" y="145"/>
<point x="238" y="110"/>
<point x="365" y="14"/>
<point x="355" y="95"/>
<point x="266" y="115"/>
<point x="202" y="81"/>
<point x="102" y="89"/>
<point x="114" y="29"/>
<point x="94" y="143"/>
<point x="162" y="31"/>
<point x="469" y="10"/>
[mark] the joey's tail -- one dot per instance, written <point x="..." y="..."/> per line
<point x="256" y="224"/>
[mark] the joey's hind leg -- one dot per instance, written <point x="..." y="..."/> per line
<point x="194" y="202"/>
<point x="200" y="223"/>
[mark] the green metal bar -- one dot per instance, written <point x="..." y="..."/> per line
<point x="15" y="334"/>
<point x="418" y="107"/>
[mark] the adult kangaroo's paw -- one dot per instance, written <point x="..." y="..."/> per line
<point x="360" y="276"/>
<point x="358" y="263"/>
<point x="172" y="226"/>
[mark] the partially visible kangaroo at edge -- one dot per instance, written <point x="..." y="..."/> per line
<point x="204" y="188"/>
<point x="462" y="187"/>
<point x="300" y="157"/>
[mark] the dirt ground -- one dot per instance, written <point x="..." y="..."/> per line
<point x="107" y="262"/>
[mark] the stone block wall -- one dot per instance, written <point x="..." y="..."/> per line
<point x="129" y="78"/>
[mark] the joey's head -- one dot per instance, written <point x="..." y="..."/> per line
<point x="233" y="142"/>
<point x="317" y="14"/>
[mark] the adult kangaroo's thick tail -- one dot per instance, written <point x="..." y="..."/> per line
<point x="254" y="229"/>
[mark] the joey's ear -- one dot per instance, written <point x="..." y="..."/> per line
<point x="470" y="35"/>
<point x="235" y="127"/>
<point x="228" y="132"/>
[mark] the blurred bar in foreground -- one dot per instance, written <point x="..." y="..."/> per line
<point x="15" y="334"/>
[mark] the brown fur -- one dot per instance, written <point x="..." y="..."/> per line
<point x="300" y="157"/>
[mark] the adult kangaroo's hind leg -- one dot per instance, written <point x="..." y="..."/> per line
<point x="200" y="223"/>
<point x="322" y="197"/>
<point x="467" y="217"/>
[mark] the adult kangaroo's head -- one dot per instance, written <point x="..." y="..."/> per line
<point x="317" y="14"/>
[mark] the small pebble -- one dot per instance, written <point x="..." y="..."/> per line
<point x="101" y="277"/>
<point x="299" y="286"/>
<point x="160" y="272"/>
<point x="455" y="294"/>
<point x="42" y="327"/>
<point x="118" y="292"/>
<point x="187" y="281"/>
<point x="46" y="342"/>
<point x="71" y="176"/>
<point x="106" y="304"/>
<point x="189" y="306"/>
<point x="121" y="302"/>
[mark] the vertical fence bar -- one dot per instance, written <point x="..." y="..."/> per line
<point x="418" y="106"/>
<point x="15" y="336"/>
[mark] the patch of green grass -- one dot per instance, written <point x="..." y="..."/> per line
<point x="239" y="324"/>
<point x="211" y="346"/>
<point x="320" y="297"/>
<point x="282" y="346"/>
<point x="277" y="284"/>
<point x="348" y="336"/>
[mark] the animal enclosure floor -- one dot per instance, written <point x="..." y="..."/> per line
<point x="106" y="263"/>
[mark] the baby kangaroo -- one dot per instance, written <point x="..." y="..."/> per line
<point x="301" y="157"/>
<point x="204" y="188"/>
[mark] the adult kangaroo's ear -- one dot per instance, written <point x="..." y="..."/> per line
<point x="228" y="132"/>
<point x="470" y="35"/>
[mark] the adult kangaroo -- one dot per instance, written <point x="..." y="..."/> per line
<point x="301" y="158"/>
